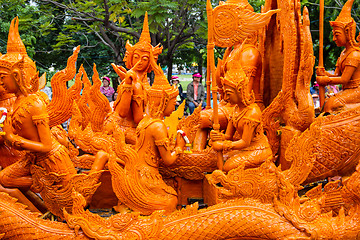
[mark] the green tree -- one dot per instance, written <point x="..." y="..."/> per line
<point x="113" y="22"/>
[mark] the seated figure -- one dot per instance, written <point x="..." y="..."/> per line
<point x="252" y="149"/>
<point x="243" y="52"/>
<point x="130" y="103"/>
<point x="27" y="128"/>
<point x="347" y="70"/>
<point x="139" y="185"/>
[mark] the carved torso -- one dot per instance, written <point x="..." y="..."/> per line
<point x="350" y="58"/>
<point x="249" y="115"/>
<point x="28" y="113"/>
<point x="250" y="59"/>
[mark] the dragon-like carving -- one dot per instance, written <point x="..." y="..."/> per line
<point x="17" y="223"/>
<point x="57" y="196"/>
<point x="287" y="217"/>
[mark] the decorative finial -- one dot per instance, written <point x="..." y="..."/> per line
<point x="345" y="14"/>
<point x="145" y="34"/>
<point x="161" y="84"/>
<point x="15" y="45"/>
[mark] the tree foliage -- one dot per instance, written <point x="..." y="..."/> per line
<point x="51" y="29"/>
<point x="113" y="22"/>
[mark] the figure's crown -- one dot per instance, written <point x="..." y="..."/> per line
<point x="345" y="14"/>
<point x="14" y="44"/>
<point x="160" y="93"/>
<point x="144" y="44"/>
<point x="161" y="85"/>
<point x="16" y="52"/>
<point x="234" y="76"/>
<point x="145" y="34"/>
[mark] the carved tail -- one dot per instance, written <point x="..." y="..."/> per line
<point x="59" y="108"/>
<point x="18" y="223"/>
<point x="329" y="147"/>
<point x="239" y="219"/>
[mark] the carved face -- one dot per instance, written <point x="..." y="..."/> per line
<point x="232" y="95"/>
<point x="7" y="81"/>
<point x="170" y="107"/>
<point x="339" y="36"/>
<point x="143" y="57"/>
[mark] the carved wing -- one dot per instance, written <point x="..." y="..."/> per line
<point x="102" y="106"/>
<point x="59" y="108"/>
<point x="233" y="23"/>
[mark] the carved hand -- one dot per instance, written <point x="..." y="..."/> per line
<point x="320" y="71"/>
<point x="9" y="135"/>
<point x="216" y="136"/>
<point x="120" y="70"/>
<point x="129" y="77"/>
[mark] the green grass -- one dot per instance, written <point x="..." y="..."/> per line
<point x="185" y="80"/>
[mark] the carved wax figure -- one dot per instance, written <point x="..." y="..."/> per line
<point x="244" y="52"/>
<point x="252" y="149"/>
<point x="347" y="70"/>
<point x="27" y="125"/>
<point x="131" y="100"/>
<point x="153" y="146"/>
<point x="8" y="155"/>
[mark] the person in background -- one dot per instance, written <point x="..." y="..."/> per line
<point x="176" y="82"/>
<point x="195" y="93"/>
<point x="106" y="89"/>
<point x="114" y="97"/>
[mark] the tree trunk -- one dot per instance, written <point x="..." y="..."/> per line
<point x="169" y="63"/>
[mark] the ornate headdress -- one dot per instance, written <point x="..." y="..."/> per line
<point x="345" y="21"/>
<point x="160" y="93"/>
<point x="144" y="44"/>
<point x="237" y="79"/>
<point x="16" y="57"/>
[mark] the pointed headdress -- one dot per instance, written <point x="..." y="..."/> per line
<point x="16" y="56"/>
<point x="346" y="22"/>
<point x="237" y="79"/>
<point x="144" y="44"/>
<point x="345" y="14"/>
<point x="160" y="93"/>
